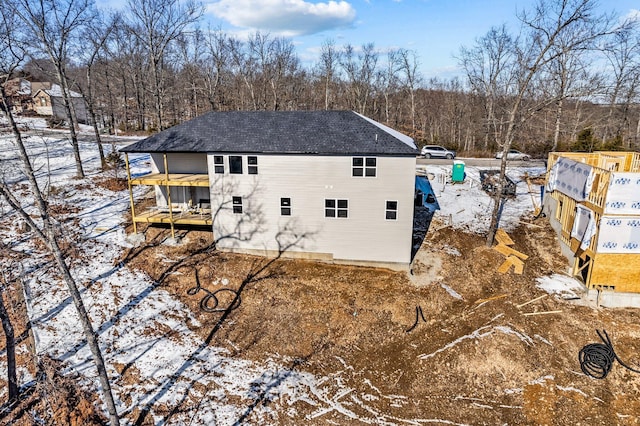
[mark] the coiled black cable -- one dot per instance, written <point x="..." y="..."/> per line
<point x="596" y="359"/>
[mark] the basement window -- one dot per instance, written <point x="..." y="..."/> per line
<point x="363" y="166"/>
<point x="218" y="161"/>
<point x="391" y="211"/>
<point x="235" y="164"/>
<point x="237" y="205"/>
<point x="336" y="208"/>
<point x="252" y="165"/>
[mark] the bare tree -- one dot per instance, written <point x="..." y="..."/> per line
<point x="487" y="67"/>
<point x="552" y="28"/>
<point x="216" y="67"/>
<point x="622" y="52"/>
<point x="156" y="23"/>
<point x="97" y="35"/>
<point x="54" y="24"/>
<point x="410" y="80"/>
<point x="360" y="71"/>
<point x="11" y="56"/>
<point x="328" y="69"/>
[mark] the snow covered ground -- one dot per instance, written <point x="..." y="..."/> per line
<point x="131" y="332"/>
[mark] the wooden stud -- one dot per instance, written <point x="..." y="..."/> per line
<point x="530" y="314"/>
<point x="133" y="210"/>
<point x="531" y="301"/>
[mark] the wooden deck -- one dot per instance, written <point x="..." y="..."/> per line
<point x="174" y="179"/>
<point x="179" y="217"/>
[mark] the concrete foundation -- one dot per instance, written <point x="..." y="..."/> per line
<point x="612" y="299"/>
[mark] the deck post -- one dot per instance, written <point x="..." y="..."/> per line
<point x="166" y="176"/>
<point x="133" y="210"/>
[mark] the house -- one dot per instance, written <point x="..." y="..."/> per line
<point x="47" y="100"/>
<point x="18" y="94"/>
<point x="594" y="205"/>
<point x="331" y="185"/>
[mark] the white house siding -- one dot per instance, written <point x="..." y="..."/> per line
<point x="180" y="163"/>
<point x="308" y="180"/>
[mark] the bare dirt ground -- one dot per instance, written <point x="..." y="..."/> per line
<point x="474" y="359"/>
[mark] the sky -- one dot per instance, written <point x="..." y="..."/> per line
<point x="434" y="29"/>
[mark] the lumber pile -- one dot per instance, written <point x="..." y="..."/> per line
<point x="513" y="257"/>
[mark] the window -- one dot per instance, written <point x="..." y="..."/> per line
<point x="237" y="205"/>
<point x="285" y="206"/>
<point x="391" y="211"/>
<point x="364" y="166"/>
<point x="235" y="164"/>
<point x="218" y="161"/>
<point x="559" y="209"/>
<point x="336" y="208"/>
<point x="252" y="165"/>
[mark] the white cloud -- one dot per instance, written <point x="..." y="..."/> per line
<point x="633" y="15"/>
<point x="285" y="17"/>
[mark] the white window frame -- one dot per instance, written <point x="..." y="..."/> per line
<point x="241" y="165"/>
<point x="364" y="167"/>
<point x="252" y="169"/>
<point x="216" y="166"/>
<point x="388" y="210"/>
<point x="284" y="206"/>
<point x="236" y="204"/>
<point x="336" y="209"/>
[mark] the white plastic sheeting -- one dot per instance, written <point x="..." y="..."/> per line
<point x="584" y="226"/>
<point x="619" y="234"/>
<point x="623" y="194"/>
<point x="572" y="178"/>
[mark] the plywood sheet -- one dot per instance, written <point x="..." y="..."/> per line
<point x="621" y="271"/>
<point x="503" y="237"/>
<point x="508" y="251"/>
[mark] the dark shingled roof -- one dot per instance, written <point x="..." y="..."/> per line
<point x="279" y="132"/>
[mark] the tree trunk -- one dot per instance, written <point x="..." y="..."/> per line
<point x="74" y="138"/>
<point x="12" y="378"/>
<point x="103" y="162"/>
<point x="556" y="132"/>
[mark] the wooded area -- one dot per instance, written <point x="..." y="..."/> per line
<point x="156" y="65"/>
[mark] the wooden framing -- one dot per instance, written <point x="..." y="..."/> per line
<point x="613" y="271"/>
<point x="169" y="214"/>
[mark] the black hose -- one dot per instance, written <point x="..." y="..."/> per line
<point x="596" y="359"/>
<point x="419" y="315"/>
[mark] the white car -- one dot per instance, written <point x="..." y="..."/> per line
<point x="514" y="154"/>
<point x="437" y="151"/>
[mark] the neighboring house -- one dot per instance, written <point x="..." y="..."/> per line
<point x="18" y="93"/>
<point x="47" y="100"/>
<point x="594" y="205"/>
<point x="338" y="184"/>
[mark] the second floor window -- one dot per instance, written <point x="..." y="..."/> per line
<point x="235" y="164"/>
<point x="218" y="164"/>
<point x="252" y="163"/>
<point x="363" y="166"/>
